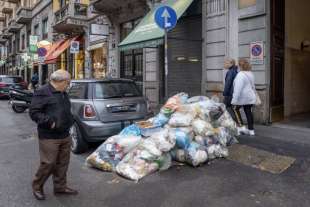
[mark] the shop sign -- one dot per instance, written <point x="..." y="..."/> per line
<point x="75" y="47"/>
<point x="33" y="40"/>
<point x="99" y="29"/>
<point x="257" y="53"/>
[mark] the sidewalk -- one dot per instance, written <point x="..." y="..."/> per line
<point x="282" y="132"/>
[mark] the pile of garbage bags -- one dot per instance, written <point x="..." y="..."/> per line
<point x="188" y="130"/>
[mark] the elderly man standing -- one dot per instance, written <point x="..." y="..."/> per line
<point x="51" y="110"/>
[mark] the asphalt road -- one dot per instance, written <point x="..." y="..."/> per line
<point x="222" y="183"/>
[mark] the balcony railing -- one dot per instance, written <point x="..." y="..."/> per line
<point x="13" y="26"/>
<point x="5" y="34"/>
<point x="13" y="1"/>
<point x="23" y="15"/>
<point x="75" y="10"/>
<point x="2" y="41"/>
<point x="70" y="18"/>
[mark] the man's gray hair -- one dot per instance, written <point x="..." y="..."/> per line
<point x="60" y="75"/>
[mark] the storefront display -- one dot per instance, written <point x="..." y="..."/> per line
<point x="99" y="62"/>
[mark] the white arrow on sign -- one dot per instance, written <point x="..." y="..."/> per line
<point x="166" y="16"/>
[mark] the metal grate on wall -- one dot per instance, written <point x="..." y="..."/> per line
<point x="216" y="7"/>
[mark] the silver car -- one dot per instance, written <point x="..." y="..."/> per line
<point x="102" y="108"/>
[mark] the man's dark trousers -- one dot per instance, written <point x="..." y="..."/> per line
<point x="54" y="160"/>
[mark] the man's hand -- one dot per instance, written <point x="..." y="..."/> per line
<point x="53" y="125"/>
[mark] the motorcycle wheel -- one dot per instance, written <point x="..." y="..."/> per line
<point x="18" y="109"/>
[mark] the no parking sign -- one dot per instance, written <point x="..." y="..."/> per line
<point x="257" y="53"/>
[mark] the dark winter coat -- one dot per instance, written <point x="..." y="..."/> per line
<point x="229" y="81"/>
<point x="49" y="106"/>
<point x="229" y="85"/>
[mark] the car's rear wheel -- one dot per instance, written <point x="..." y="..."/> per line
<point x="78" y="144"/>
<point x="18" y="109"/>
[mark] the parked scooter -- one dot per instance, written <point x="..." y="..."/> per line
<point x="20" y="100"/>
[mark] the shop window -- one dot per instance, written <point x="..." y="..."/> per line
<point x="131" y="60"/>
<point x="132" y="64"/>
<point x="215" y="7"/>
<point x="99" y="62"/>
<point x="28" y="37"/>
<point x="36" y="29"/>
<point x="44" y="28"/>
<point x="23" y="41"/>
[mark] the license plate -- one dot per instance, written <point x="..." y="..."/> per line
<point x="122" y="109"/>
<point x="18" y="102"/>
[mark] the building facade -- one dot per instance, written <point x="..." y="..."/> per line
<point x="265" y="31"/>
<point x="121" y="39"/>
<point x="27" y="26"/>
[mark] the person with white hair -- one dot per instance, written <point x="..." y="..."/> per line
<point x="232" y="71"/>
<point x="51" y="110"/>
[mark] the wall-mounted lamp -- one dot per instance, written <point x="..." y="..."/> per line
<point x="304" y="44"/>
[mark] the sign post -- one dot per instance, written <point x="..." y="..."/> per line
<point x="166" y="18"/>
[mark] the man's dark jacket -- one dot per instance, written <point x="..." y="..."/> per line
<point x="229" y="81"/>
<point x="49" y="106"/>
<point x="229" y="85"/>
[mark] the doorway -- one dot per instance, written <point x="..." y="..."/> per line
<point x="277" y="59"/>
<point x="290" y="60"/>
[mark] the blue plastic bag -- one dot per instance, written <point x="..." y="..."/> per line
<point x="182" y="139"/>
<point x="133" y="130"/>
<point x="160" y="120"/>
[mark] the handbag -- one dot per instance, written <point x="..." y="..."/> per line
<point x="258" y="101"/>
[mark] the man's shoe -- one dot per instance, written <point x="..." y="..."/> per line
<point x="39" y="195"/>
<point x="65" y="191"/>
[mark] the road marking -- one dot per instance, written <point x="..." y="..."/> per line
<point x="260" y="159"/>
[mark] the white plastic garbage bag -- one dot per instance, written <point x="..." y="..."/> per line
<point x="182" y="136"/>
<point x="178" y="155"/>
<point x="196" y="99"/>
<point x="179" y="119"/>
<point x="217" y="151"/>
<point x="196" y="154"/>
<point x="202" y="128"/>
<point x="206" y="141"/>
<point x="143" y="160"/>
<point x="110" y="153"/>
<point x="173" y="103"/>
<point x="226" y="121"/>
<point x="163" y="141"/>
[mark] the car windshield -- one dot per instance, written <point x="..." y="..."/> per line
<point x="116" y="90"/>
<point x="11" y="79"/>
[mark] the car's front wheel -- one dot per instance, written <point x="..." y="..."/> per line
<point x="78" y="144"/>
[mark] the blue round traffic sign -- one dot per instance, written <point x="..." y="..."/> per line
<point x="42" y="51"/>
<point x="257" y="50"/>
<point x="166" y="17"/>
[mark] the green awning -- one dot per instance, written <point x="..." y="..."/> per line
<point x="147" y="33"/>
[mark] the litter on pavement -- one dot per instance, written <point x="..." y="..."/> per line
<point x="188" y="130"/>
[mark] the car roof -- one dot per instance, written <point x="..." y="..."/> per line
<point x="106" y="80"/>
